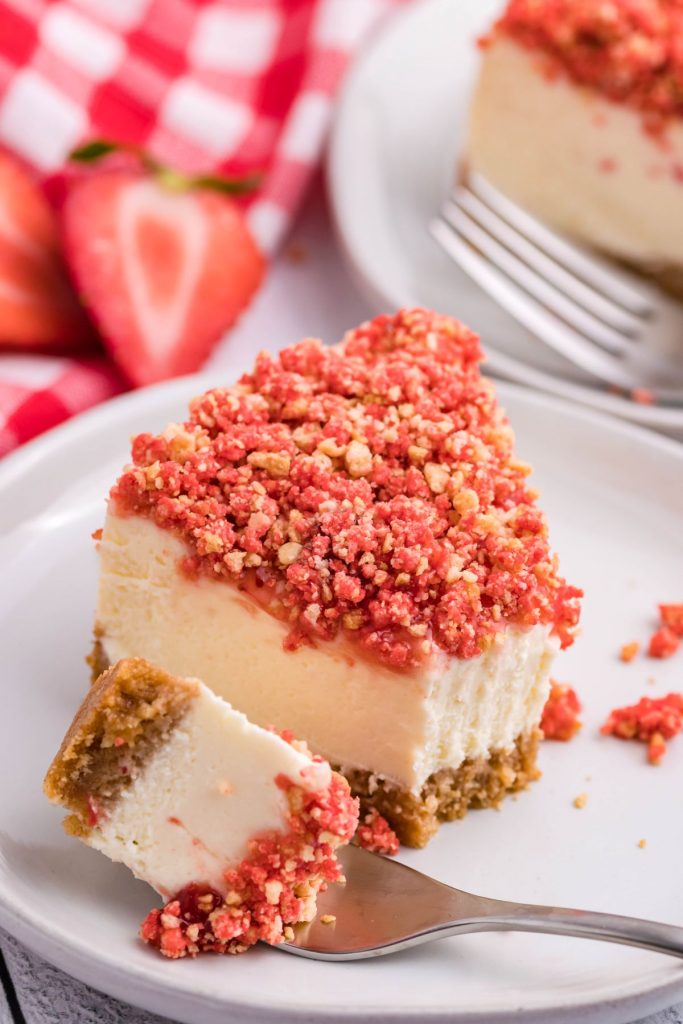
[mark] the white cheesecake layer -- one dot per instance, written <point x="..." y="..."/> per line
<point x="352" y="710"/>
<point x="581" y="163"/>
<point x="199" y="799"/>
<point x="482" y="704"/>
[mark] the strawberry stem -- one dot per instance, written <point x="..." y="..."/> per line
<point x="97" y="149"/>
<point x="231" y="186"/>
<point x="170" y="179"/>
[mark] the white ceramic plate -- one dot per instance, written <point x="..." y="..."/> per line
<point x="399" y="127"/>
<point x="615" y="504"/>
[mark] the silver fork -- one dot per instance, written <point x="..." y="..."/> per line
<point x="386" y="906"/>
<point x="622" y="331"/>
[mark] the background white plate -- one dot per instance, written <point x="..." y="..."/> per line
<point x="400" y="124"/>
<point x="614" y="500"/>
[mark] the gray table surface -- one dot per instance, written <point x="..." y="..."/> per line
<point x="47" y="996"/>
<point x="315" y="298"/>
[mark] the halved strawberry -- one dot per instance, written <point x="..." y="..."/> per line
<point x="38" y="308"/>
<point x="163" y="263"/>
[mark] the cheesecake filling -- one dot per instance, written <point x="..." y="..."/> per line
<point x="199" y="799"/>
<point x="353" y="710"/>
<point x="584" y="164"/>
<point x="483" y="704"/>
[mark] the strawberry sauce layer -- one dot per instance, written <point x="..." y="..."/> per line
<point x="273" y="888"/>
<point x="370" y="488"/>
<point x="630" y="50"/>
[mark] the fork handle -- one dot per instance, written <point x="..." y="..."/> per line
<point x="497" y="915"/>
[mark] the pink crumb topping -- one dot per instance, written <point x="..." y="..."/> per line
<point x="370" y="488"/>
<point x="663" y="643"/>
<point x="630" y="50"/>
<point x="651" y="721"/>
<point x="672" y="617"/>
<point x="560" y="719"/>
<point x="374" y="833"/>
<point x="273" y="888"/>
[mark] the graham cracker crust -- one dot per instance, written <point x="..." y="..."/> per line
<point x="97" y="659"/>
<point x="125" y="716"/>
<point x="668" y="276"/>
<point x="449" y="793"/>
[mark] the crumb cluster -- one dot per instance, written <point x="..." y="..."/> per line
<point x="375" y="834"/>
<point x="666" y="639"/>
<point x="273" y="888"/>
<point x="630" y="50"/>
<point x="370" y="488"/>
<point x="651" y="721"/>
<point x="560" y="719"/>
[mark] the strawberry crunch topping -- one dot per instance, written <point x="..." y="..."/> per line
<point x="374" y="833"/>
<point x="663" y="643"/>
<point x="630" y="50"/>
<point x="651" y="721"/>
<point x="369" y="488"/>
<point x="273" y="888"/>
<point x="560" y="719"/>
<point x="672" y="617"/>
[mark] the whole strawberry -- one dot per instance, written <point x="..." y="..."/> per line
<point x="163" y="262"/>
<point x="38" y="308"/>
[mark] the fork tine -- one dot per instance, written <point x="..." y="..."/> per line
<point x="586" y="267"/>
<point x="596" y="303"/>
<point x="540" y="289"/>
<point x="517" y="302"/>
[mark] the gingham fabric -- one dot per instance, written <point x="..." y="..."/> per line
<point x="234" y="85"/>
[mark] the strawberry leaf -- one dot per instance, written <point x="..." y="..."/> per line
<point x="94" y="150"/>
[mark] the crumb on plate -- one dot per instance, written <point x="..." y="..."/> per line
<point x="560" y="720"/>
<point x="651" y="720"/>
<point x="629" y="651"/>
<point x="664" y="643"/>
<point x="671" y="616"/>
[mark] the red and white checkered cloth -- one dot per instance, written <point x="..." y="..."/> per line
<point x="229" y="84"/>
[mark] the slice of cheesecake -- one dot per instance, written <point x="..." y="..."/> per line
<point x="344" y="544"/>
<point x="578" y="116"/>
<point x="235" y="826"/>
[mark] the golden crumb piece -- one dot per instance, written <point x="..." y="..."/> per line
<point x="289" y="552"/>
<point x="328" y="919"/>
<point x="642" y="843"/>
<point x="629" y="651"/>
<point x="581" y="800"/>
